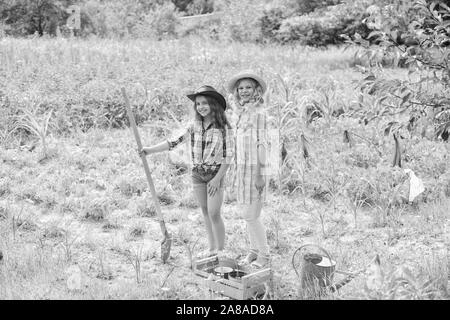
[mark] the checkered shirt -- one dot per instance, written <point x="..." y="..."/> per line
<point x="210" y="147"/>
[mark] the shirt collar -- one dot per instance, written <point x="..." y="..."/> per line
<point x="209" y="125"/>
<point x="248" y="106"/>
<point x="201" y="122"/>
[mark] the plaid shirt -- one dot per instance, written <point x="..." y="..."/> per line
<point x="251" y="131"/>
<point x="210" y="147"/>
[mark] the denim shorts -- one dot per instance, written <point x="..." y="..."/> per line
<point x="201" y="177"/>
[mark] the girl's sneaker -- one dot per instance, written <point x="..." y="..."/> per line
<point x="206" y="254"/>
<point x="251" y="256"/>
<point x="261" y="262"/>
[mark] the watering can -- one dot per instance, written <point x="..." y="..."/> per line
<point x="317" y="271"/>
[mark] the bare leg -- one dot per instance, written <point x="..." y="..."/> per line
<point x="218" y="227"/>
<point x="201" y="196"/>
<point x="256" y="230"/>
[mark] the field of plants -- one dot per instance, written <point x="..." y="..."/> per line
<point x="76" y="217"/>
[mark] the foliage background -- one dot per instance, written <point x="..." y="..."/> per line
<point x="315" y="23"/>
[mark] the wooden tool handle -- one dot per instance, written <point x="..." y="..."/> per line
<point x="144" y="162"/>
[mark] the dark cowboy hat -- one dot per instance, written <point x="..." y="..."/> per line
<point x="211" y="92"/>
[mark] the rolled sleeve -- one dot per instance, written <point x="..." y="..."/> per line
<point x="179" y="138"/>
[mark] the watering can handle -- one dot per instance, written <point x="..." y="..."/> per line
<point x="306" y="245"/>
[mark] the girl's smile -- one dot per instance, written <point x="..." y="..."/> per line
<point x="246" y="90"/>
<point x="202" y="106"/>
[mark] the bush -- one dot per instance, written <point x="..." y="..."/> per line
<point x="114" y="18"/>
<point x="182" y="5"/>
<point x="326" y="25"/>
<point x="271" y="21"/>
<point x="44" y="17"/>
<point x="103" y="18"/>
<point x="241" y="20"/>
<point x="307" y="30"/>
<point x="29" y="17"/>
<point x="200" y="7"/>
<point x="159" y="23"/>
<point x="205" y="29"/>
<point x="307" y="6"/>
<point x="413" y="35"/>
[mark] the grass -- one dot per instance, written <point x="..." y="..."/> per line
<point x="88" y="204"/>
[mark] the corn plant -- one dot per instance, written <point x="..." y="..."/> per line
<point x="290" y="116"/>
<point x="105" y="273"/>
<point x="383" y="188"/>
<point x="323" y="104"/>
<point x="134" y="258"/>
<point x="335" y="184"/>
<point x="31" y="122"/>
<point x="67" y="243"/>
<point x="186" y="239"/>
<point x="356" y="200"/>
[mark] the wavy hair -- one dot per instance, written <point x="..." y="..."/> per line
<point x="257" y="96"/>
<point x="217" y="112"/>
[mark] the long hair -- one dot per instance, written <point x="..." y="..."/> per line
<point x="217" y="113"/>
<point x="257" y="96"/>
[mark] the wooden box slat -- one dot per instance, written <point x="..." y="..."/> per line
<point x="246" y="287"/>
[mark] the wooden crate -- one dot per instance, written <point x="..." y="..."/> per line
<point x="245" y="285"/>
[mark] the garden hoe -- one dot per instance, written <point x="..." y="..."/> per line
<point x="167" y="241"/>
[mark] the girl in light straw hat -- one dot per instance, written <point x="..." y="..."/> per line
<point x="250" y="120"/>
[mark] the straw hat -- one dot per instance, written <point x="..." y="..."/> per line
<point x="246" y="74"/>
<point x="211" y="92"/>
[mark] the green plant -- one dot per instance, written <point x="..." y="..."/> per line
<point x="67" y="243"/>
<point x="324" y="26"/>
<point x="108" y="225"/>
<point x="7" y="131"/>
<point x="105" y="272"/>
<point x="186" y="238"/>
<point x="29" y="17"/>
<point x="137" y="230"/>
<point x="134" y="257"/>
<point x="403" y="284"/>
<point x="307" y="6"/>
<point x="419" y="42"/>
<point x="96" y="208"/>
<point x="240" y="20"/>
<point x="290" y="123"/>
<point x="14" y="222"/>
<point x="356" y="199"/>
<point x="275" y="227"/>
<point x="145" y="208"/>
<point x="40" y="127"/>
<point x="160" y="23"/>
<point x="271" y="21"/>
<point x="131" y="185"/>
<point x="200" y="7"/>
<point x="386" y="189"/>
<point x="5" y="186"/>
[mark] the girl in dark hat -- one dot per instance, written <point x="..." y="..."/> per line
<point x="212" y="147"/>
